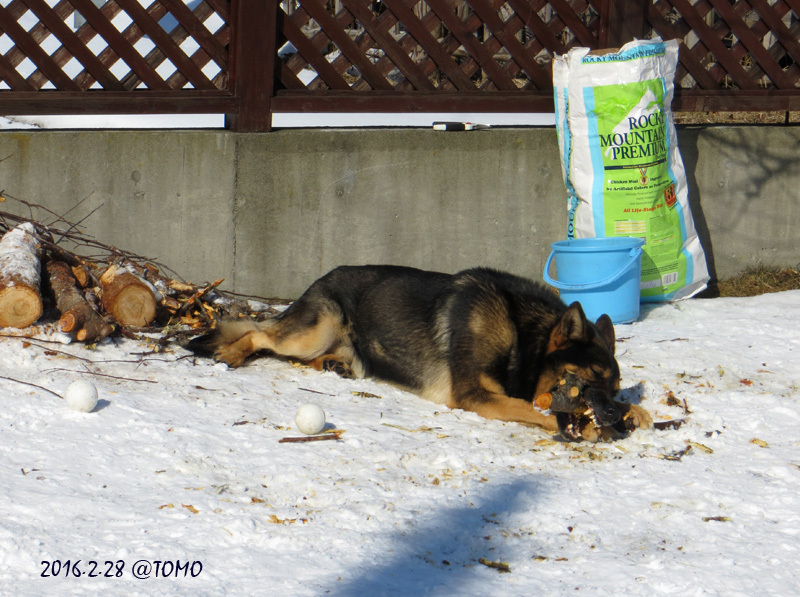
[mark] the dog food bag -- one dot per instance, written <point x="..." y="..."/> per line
<point x="622" y="168"/>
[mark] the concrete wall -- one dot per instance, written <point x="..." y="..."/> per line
<point x="165" y="195"/>
<point x="744" y="185"/>
<point x="272" y="212"/>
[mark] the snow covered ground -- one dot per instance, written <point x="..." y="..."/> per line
<point x="180" y="466"/>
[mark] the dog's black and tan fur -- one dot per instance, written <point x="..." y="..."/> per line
<point x="480" y="340"/>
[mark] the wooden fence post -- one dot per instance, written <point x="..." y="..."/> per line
<point x="252" y="63"/>
<point x="623" y="20"/>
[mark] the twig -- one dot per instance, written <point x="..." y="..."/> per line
<point x="139" y="361"/>
<point x="315" y="392"/>
<point x="499" y="566"/>
<point x="201" y="292"/>
<point x="309" y="438"/>
<point x="100" y="375"/>
<point x="35" y="341"/>
<point x="261" y="299"/>
<point x="33" y="385"/>
<point x="673" y="424"/>
<point x="30" y="338"/>
<point x="62" y="217"/>
<point x="30" y="206"/>
<point x="166" y="337"/>
<point x="188" y="304"/>
<point x="78" y="223"/>
<point x="423" y="428"/>
<point x="80" y="239"/>
<point x="109" y="252"/>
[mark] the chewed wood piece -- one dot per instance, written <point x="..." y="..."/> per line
<point x="566" y="397"/>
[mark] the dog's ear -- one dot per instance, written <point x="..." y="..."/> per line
<point x="573" y="327"/>
<point x="605" y="328"/>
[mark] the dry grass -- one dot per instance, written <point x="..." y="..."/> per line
<point x="759" y="280"/>
<point x="773" y="117"/>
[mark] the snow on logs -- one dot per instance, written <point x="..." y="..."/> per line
<point x="20" y="277"/>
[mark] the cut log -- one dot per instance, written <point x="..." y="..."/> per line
<point x="129" y="299"/>
<point x="78" y="317"/>
<point x="20" y="277"/>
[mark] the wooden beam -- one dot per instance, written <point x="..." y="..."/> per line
<point x="252" y="62"/>
<point x="737" y="100"/>
<point x="622" y="21"/>
<point x="417" y="101"/>
<point x="185" y="101"/>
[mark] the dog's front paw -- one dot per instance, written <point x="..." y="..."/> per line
<point x="637" y="417"/>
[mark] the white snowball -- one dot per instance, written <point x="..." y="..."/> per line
<point x="81" y="395"/>
<point x="310" y="419"/>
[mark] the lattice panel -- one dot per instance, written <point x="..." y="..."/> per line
<point x="122" y="45"/>
<point x="748" y="45"/>
<point x="427" y="45"/>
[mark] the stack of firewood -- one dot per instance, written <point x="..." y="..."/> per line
<point x="95" y="298"/>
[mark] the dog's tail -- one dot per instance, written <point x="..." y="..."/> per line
<point x="225" y="334"/>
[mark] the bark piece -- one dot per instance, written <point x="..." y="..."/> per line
<point x="20" y="277"/>
<point x="129" y="299"/>
<point x="78" y="317"/>
<point x="83" y="276"/>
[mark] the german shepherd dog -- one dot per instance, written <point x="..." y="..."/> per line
<point x="479" y="340"/>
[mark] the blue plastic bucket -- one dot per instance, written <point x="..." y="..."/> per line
<point x="601" y="273"/>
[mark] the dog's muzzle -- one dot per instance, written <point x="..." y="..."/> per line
<point x="604" y="412"/>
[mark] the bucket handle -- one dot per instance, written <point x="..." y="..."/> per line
<point x="635" y="254"/>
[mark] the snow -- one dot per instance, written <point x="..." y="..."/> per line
<point x="19" y="256"/>
<point x="181" y="463"/>
<point x="114" y="121"/>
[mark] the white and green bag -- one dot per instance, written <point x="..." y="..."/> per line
<point x="622" y="168"/>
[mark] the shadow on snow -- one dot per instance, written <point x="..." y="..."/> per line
<point x="440" y="554"/>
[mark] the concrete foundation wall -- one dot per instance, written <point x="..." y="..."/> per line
<point x="270" y="213"/>
<point x="166" y="195"/>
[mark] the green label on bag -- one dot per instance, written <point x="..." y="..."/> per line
<point x="638" y="192"/>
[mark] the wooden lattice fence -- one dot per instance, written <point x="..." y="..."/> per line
<point x="250" y="58"/>
<point x="74" y="56"/>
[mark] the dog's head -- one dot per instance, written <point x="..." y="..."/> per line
<point x="584" y="352"/>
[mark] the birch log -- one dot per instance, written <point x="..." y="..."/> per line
<point x="129" y="299"/>
<point x="78" y="317"/>
<point x="20" y="277"/>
